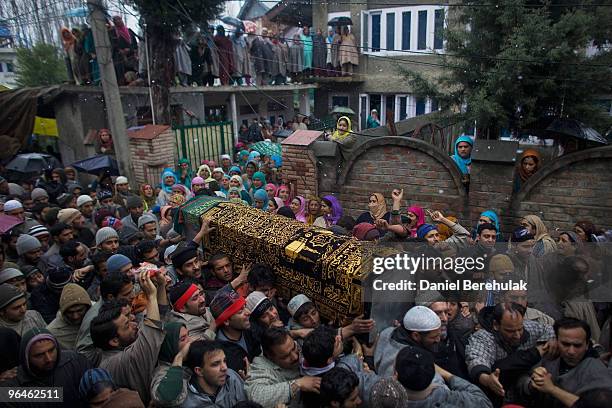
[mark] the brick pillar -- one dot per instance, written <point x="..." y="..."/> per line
<point x="491" y="179"/>
<point x="152" y="149"/>
<point x="299" y="162"/>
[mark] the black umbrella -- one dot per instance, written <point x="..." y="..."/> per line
<point x="98" y="164"/>
<point x="575" y="129"/>
<point x="233" y="21"/>
<point x="340" y="21"/>
<point x="29" y="163"/>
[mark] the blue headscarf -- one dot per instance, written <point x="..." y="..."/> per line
<point x="424" y="229"/>
<point x="278" y="160"/>
<point x="492" y="215"/>
<point x="236" y="169"/>
<point x="167" y="172"/>
<point x="461" y="162"/>
<point x="252" y="157"/>
<point x="262" y="195"/>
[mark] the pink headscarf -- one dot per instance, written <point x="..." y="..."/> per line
<point x="279" y="203"/>
<point x="301" y="215"/>
<point x="122" y="31"/>
<point x="197" y="180"/>
<point x="283" y="186"/>
<point x="418" y="211"/>
<point x="273" y="187"/>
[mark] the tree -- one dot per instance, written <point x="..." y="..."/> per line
<point x="165" y="19"/>
<point x="40" y="66"/>
<point x="512" y="63"/>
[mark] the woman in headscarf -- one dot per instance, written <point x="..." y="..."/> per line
<point x="236" y="181"/>
<point x="209" y="181"/>
<point x="274" y="204"/>
<point x="373" y="120"/>
<point x="260" y="199"/>
<point x="545" y="244"/>
<point x="331" y="210"/>
<point x="258" y="183"/>
<point x="164" y="386"/>
<point x="314" y="209"/>
<point x="249" y="171"/>
<point x="198" y="187"/>
<point x="243" y="159"/>
<point x="225" y="184"/>
<point x="377" y="210"/>
<point x="148" y="197"/>
<point x="184" y="173"/>
<point x="234" y="170"/>
<point x="463" y="153"/>
<point x="343" y="130"/>
<point x="489" y="217"/>
<point x="271" y="190"/>
<point x="298" y="206"/>
<point x="284" y="194"/>
<point x="72" y="59"/>
<point x="104" y="142"/>
<point x="234" y="196"/>
<point x="255" y="157"/>
<point x="182" y="190"/>
<point x="168" y="179"/>
<point x="529" y="163"/>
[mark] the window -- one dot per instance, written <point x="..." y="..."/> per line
<point x="340" y="101"/>
<point x="9" y="67"/>
<point x="406" y="16"/>
<point x="376" y="32"/>
<point x="365" y="31"/>
<point x="363" y="112"/>
<point x="439" y="29"/>
<point x="434" y="105"/>
<point x="389" y="107"/>
<point x="403" y="107"/>
<point x="390" y="32"/>
<point x="420" y="107"/>
<point x="422" y="33"/>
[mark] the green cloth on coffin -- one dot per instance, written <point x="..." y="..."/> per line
<point x="325" y="267"/>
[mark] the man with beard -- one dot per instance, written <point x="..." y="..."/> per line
<point x="135" y="207"/>
<point x="189" y="308"/>
<point x="483" y="248"/>
<point x="61" y="233"/>
<point x="44" y="363"/>
<point x="30" y="252"/>
<point x="41" y="233"/>
<point x="75" y="219"/>
<point x="222" y="273"/>
<point x="85" y="205"/>
<point x="421" y="327"/>
<point x="213" y="383"/>
<point x="129" y="352"/>
<point x="74" y="303"/>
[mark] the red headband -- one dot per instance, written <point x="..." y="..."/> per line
<point x="230" y="311"/>
<point x="178" y="305"/>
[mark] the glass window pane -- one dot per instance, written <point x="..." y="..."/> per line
<point x="422" y="37"/>
<point x="403" y="102"/>
<point x="375" y="32"/>
<point x="420" y="107"/>
<point x="439" y="30"/>
<point x="406" y="17"/>
<point x="390" y="31"/>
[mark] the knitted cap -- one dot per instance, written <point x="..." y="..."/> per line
<point x="501" y="263"/>
<point x="415" y="368"/>
<point x="116" y="262"/>
<point x="72" y="295"/>
<point x="225" y="304"/>
<point x="90" y="378"/>
<point x="388" y="393"/>
<point x="421" y="319"/>
<point x="427" y="297"/>
<point x="68" y="215"/>
<point x="84" y="199"/>
<point x="59" y="277"/>
<point x="128" y="233"/>
<point x="296" y="302"/>
<point x="64" y="199"/>
<point x="11" y="205"/>
<point x="9" y="294"/>
<point x="38" y="193"/>
<point x="145" y="219"/>
<point x="182" y="254"/>
<point x="38" y="231"/>
<point x="28" y="270"/>
<point x="104" y="194"/>
<point x="16" y="190"/>
<point x="121" y="180"/>
<point x="9" y="273"/>
<point x="27" y="243"/>
<point x="169" y="251"/>
<point x="133" y="202"/>
<point x="104" y="234"/>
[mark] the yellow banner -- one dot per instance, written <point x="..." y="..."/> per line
<point x="45" y="126"/>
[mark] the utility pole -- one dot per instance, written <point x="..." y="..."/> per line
<point x="112" y="98"/>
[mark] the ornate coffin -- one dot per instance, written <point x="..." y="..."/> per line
<point x="325" y="267"/>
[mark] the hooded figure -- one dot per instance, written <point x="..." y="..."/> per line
<point x="463" y="163"/>
<point x="209" y="181"/>
<point x="166" y="186"/>
<point x="262" y="178"/>
<point x="240" y="186"/>
<point x="343" y="130"/>
<point x="261" y="195"/>
<point x="420" y="214"/>
<point x="170" y="382"/>
<point x="184" y="172"/>
<point x="529" y="163"/>
<point x="63" y="327"/>
<point x="63" y="368"/>
<point x="545" y="244"/>
<point x="226" y="55"/>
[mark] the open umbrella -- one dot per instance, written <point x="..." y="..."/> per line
<point x="267" y="148"/>
<point x="29" y="163"/>
<point x="343" y="110"/>
<point x="233" y="21"/>
<point x="340" y="21"/>
<point x="98" y="164"/>
<point x="8" y="222"/>
<point x="575" y="129"/>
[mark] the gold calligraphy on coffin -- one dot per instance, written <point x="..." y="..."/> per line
<point x="325" y="267"/>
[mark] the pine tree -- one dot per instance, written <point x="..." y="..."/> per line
<point x="165" y="19"/>
<point x="40" y="66"/>
<point x="509" y="64"/>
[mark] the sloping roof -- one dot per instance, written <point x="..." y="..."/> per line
<point x="147" y="132"/>
<point x="252" y="9"/>
<point x="295" y="13"/>
<point x="302" y="138"/>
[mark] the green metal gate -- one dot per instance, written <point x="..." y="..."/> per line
<point x="203" y="141"/>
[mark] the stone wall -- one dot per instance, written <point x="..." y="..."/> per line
<point x="152" y="149"/>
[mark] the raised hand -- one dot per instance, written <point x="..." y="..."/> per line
<point x="397" y="194"/>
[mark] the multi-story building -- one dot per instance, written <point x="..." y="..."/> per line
<point x="8" y="62"/>
<point x="390" y="36"/>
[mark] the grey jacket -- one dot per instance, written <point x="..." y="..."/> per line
<point x="269" y="384"/>
<point x="228" y="396"/>
<point x="386" y="352"/>
<point x="366" y="379"/>
<point x="459" y="393"/>
<point x="200" y="327"/>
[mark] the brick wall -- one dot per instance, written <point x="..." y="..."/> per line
<point x="150" y="155"/>
<point x="299" y="170"/>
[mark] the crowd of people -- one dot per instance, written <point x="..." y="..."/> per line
<point x="101" y="296"/>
